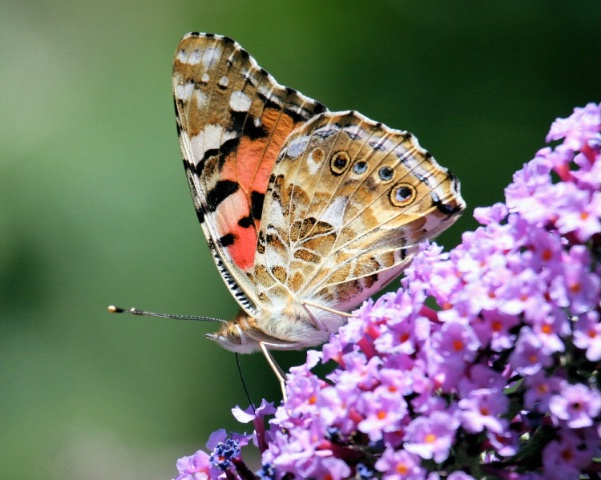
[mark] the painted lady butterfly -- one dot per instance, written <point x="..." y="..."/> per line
<point x="307" y="212"/>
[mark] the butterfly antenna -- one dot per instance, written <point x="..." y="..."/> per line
<point x="244" y="382"/>
<point x="135" y="311"/>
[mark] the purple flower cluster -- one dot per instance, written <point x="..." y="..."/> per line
<point x="485" y="364"/>
<point x="225" y="456"/>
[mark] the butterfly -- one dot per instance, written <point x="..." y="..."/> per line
<point x="306" y="212"/>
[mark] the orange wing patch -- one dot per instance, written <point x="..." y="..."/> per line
<point x="250" y="166"/>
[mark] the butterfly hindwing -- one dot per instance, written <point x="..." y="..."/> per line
<point x="349" y="200"/>
<point x="233" y="119"/>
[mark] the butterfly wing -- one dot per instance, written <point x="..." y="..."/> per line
<point x="233" y="119"/>
<point x="349" y="200"/>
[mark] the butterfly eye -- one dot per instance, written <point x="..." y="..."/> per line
<point x="360" y="167"/>
<point x="339" y="162"/>
<point x="386" y="174"/>
<point x="402" y="195"/>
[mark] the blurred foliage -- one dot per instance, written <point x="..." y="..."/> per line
<point x="94" y="207"/>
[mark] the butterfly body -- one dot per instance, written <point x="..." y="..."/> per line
<point x="307" y="212"/>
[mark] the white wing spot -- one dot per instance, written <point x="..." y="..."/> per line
<point x="212" y="56"/>
<point x="182" y="56"/>
<point x="240" y="102"/>
<point x="211" y="137"/>
<point x="268" y="93"/>
<point x="194" y="57"/>
<point x="335" y="212"/>
<point x="184" y="92"/>
<point x="223" y="81"/>
<point x="201" y="99"/>
<point x="312" y="164"/>
<point x="297" y="146"/>
<point x="190" y="57"/>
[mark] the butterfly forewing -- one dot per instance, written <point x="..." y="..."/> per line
<point x="233" y="119"/>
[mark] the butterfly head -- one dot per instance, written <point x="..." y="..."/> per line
<point x="288" y="329"/>
<point x="235" y="335"/>
<point x="244" y="335"/>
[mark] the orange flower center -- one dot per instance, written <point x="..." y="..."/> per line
<point x="567" y="455"/>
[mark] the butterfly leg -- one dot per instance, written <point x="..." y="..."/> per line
<point x="279" y="373"/>
<point x="319" y="325"/>
<point x="326" y="309"/>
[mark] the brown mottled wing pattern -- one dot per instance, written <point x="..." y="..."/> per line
<point x="233" y="119"/>
<point x="349" y="199"/>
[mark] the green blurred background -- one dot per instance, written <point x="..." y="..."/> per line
<point x="94" y="206"/>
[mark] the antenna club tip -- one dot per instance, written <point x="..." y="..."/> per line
<point x="114" y="309"/>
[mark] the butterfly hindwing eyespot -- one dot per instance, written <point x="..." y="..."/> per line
<point x="339" y="162"/>
<point x="402" y="195"/>
<point x="360" y="167"/>
<point x="386" y="174"/>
